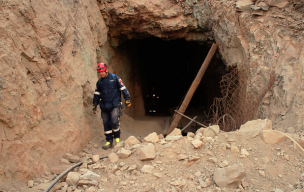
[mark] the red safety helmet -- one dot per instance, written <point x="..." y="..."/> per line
<point x="101" y="67"/>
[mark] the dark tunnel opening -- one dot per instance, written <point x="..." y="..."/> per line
<point x="170" y="67"/>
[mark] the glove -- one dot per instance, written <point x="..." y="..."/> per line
<point x="128" y="103"/>
<point x="94" y="109"/>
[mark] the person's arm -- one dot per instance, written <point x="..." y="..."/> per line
<point x="124" y="91"/>
<point x="96" y="98"/>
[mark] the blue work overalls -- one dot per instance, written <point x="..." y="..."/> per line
<point x="108" y="96"/>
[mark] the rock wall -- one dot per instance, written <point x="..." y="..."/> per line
<point x="166" y="19"/>
<point x="47" y="66"/>
<point x="265" y="36"/>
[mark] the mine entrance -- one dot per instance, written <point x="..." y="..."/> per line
<point x="170" y="67"/>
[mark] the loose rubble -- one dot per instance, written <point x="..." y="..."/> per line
<point x="227" y="161"/>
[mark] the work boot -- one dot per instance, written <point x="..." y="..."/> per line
<point x="107" y="145"/>
<point x="117" y="140"/>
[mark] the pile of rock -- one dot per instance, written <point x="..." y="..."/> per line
<point x="207" y="159"/>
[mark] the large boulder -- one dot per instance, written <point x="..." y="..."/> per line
<point x="256" y="125"/>
<point x="147" y="152"/>
<point x="272" y="137"/>
<point x="152" y="138"/>
<point x="131" y="141"/>
<point x="230" y="176"/>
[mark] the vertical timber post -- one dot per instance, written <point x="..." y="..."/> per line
<point x="193" y="88"/>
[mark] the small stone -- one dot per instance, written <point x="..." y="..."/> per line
<point x="215" y="128"/>
<point x="125" y="167"/>
<point x="198" y="136"/>
<point x="95" y="158"/>
<point x="90" y="175"/>
<point x="245" y="184"/>
<point x="224" y="164"/>
<point x="208" y="153"/>
<point x="243" y="5"/>
<point x="124" y="153"/>
<point x="30" y="183"/>
<point x="230" y="139"/>
<point x="73" y="178"/>
<point x="131" y="141"/>
<point x="190" y="134"/>
<point x="113" y="157"/>
<point x="209" y="132"/>
<point x="198" y="174"/>
<point x="213" y="160"/>
<point x="176" y="132"/>
<point x="182" y="157"/>
<point x="291" y="186"/>
<point x="286" y="157"/>
<point x="222" y="147"/>
<point x="132" y="167"/>
<point x="255" y="8"/>
<point x="235" y="149"/>
<point x="194" y="158"/>
<point x="263" y="6"/>
<point x="147" y="152"/>
<point x="158" y="175"/>
<point x="262" y="173"/>
<point x="203" y="184"/>
<point x="87" y="182"/>
<point x="197" y="143"/>
<point x="244" y="152"/>
<point x="160" y="136"/>
<point x="152" y="138"/>
<point x="230" y="176"/>
<point x="118" y="173"/>
<point x="104" y="180"/>
<point x="291" y="130"/>
<point x="256" y="125"/>
<point x="91" y="189"/>
<point x="72" y="158"/>
<point x="147" y="169"/>
<point x="200" y="130"/>
<point x="176" y="183"/>
<point x="173" y="138"/>
<point x="65" y="161"/>
<point x="272" y="137"/>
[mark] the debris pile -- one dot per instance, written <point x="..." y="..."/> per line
<point x="254" y="158"/>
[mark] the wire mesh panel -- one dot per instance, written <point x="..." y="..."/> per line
<point x="239" y="101"/>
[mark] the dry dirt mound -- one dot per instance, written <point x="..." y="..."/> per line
<point x="255" y="158"/>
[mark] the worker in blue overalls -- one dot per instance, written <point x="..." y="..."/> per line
<point x="108" y="96"/>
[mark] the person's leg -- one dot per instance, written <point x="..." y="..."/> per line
<point x="115" y="114"/>
<point x="106" y="117"/>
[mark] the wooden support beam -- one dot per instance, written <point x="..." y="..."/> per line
<point x="193" y="88"/>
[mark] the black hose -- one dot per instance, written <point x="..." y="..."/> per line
<point x="64" y="173"/>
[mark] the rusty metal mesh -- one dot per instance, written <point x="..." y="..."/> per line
<point x="240" y="99"/>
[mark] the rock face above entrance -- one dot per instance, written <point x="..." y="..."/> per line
<point x="161" y="18"/>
